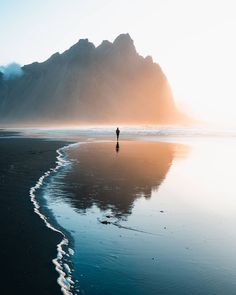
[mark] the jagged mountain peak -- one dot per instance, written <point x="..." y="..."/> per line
<point x="125" y="43"/>
<point x="110" y="83"/>
<point x="124" y="39"/>
<point x="83" y="46"/>
<point x="104" y="44"/>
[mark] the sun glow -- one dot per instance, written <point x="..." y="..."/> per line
<point x="193" y="41"/>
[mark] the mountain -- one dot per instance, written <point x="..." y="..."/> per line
<point x="107" y="84"/>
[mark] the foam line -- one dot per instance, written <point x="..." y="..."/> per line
<point x="65" y="279"/>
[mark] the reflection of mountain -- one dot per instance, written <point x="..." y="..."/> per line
<point x="88" y="84"/>
<point x="114" y="180"/>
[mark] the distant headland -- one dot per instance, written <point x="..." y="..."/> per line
<point x="107" y="84"/>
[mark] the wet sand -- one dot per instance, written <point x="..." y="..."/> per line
<point x="27" y="245"/>
<point x="149" y="217"/>
<point x="145" y="217"/>
<point x="94" y="201"/>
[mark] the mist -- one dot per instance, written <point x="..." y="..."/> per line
<point x="107" y="84"/>
<point x="11" y="71"/>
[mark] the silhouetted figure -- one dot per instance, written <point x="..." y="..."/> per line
<point x="117" y="133"/>
<point x="117" y="147"/>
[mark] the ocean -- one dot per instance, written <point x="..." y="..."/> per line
<point x="153" y="215"/>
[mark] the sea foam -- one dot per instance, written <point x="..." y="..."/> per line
<point x="65" y="278"/>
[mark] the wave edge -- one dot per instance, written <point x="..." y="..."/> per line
<point x="64" y="280"/>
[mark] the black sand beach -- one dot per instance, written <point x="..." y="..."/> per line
<point x="27" y="245"/>
<point x="131" y="216"/>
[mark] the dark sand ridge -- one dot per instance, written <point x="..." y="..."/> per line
<point x="27" y="245"/>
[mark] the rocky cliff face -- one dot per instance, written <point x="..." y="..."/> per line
<point x="107" y="84"/>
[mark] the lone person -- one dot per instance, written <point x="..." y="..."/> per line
<point x="117" y="133"/>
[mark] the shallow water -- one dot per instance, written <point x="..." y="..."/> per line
<point x="149" y="217"/>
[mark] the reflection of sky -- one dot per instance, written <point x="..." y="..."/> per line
<point x="186" y="249"/>
<point x="101" y="176"/>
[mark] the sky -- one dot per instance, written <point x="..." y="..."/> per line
<point x="194" y="41"/>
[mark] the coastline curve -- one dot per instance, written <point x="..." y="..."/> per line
<point x="65" y="278"/>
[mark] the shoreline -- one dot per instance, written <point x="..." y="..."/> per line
<point x="43" y="261"/>
<point x="29" y="246"/>
<point x="64" y="279"/>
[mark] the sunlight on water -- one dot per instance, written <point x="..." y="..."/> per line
<point x="96" y="131"/>
<point x="150" y="217"/>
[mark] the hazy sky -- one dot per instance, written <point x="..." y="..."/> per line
<point x="194" y="41"/>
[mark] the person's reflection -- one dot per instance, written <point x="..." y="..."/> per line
<point x="117" y="147"/>
<point x="115" y="182"/>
